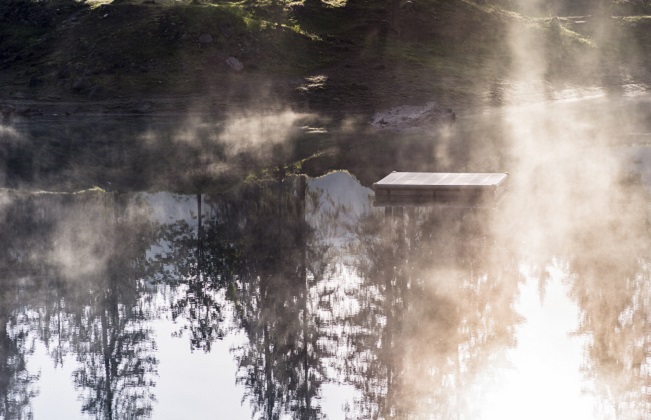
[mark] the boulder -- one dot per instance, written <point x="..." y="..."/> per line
<point x="205" y="39"/>
<point x="234" y="63"/>
<point x="413" y="117"/>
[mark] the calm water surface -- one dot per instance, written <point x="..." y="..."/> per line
<point x="296" y="298"/>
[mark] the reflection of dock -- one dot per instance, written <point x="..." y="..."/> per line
<point x="431" y="188"/>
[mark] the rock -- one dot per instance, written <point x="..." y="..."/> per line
<point x="413" y="118"/>
<point x="205" y="39"/>
<point x="235" y="64"/>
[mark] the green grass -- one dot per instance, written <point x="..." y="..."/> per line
<point x="134" y="48"/>
<point x="636" y="19"/>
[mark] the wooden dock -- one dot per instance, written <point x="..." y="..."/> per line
<point x="425" y="188"/>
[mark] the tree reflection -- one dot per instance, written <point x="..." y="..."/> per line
<point x="250" y="251"/>
<point x="432" y="311"/>
<point x="413" y="327"/>
<point x="611" y="285"/>
<point x="281" y="365"/>
<point x="84" y="257"/>
<point x="19" y="236"/>
<point x="114" y="347"/>
<point x="17" y="384"/>
<point x="203" y="260"/>
<point x="117" y="356"/>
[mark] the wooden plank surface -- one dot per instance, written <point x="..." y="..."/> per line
<point x="452" y="189"/>
<point x="440" y="180"/>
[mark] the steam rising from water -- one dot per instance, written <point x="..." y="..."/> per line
<point x="573" y="230"/>
<point x="242" y="140"/>
<point x="7" y="133"/>
<point x="568" y="182"/>
<point x="571" y="217"/>
<point x="258" y="133"/>
<point x="571" y="198"/>
<point x="8" y="137"/>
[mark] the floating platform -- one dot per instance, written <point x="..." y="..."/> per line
<point x="427" y="188"/>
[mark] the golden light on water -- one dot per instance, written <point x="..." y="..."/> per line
<point x="542" y="377"/>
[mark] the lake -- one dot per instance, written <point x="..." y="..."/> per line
<point x="132" y="287"/>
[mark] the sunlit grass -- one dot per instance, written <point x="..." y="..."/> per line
<point x="335" y="3"/>
<point x="296" y="28"/>
<point x="576" y="37"/>
<point x="96" y="3"/>
<point x="202" y="16"/>
<point x="636" y="19"/>
<point x="494" y="9"/>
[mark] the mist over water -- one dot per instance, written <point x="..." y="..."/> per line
<point x="316" y="297"/>
<point x="571" y="192"/>
<point x="180" y="153"/>
<point x="576" y="221"/>
<point x="294" y="297"/>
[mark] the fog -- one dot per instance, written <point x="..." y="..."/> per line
<point x="534" y="307"/>
<point x="575" y="224"/>
<point x="570" y="191"/>
<point x="538" y="307"/>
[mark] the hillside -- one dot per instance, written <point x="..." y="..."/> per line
<point x="342" y="57"/>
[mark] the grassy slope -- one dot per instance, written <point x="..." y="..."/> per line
<point x="128" y="48"/>
<point x="451" y="51"/>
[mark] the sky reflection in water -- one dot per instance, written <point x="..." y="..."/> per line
<point x="279" y="303"/>
<point x="298" y="299"/>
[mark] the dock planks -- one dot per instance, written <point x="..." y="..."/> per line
<point x="422" y="188"/>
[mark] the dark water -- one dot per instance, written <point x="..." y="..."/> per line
<point x="295" y="298"/>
